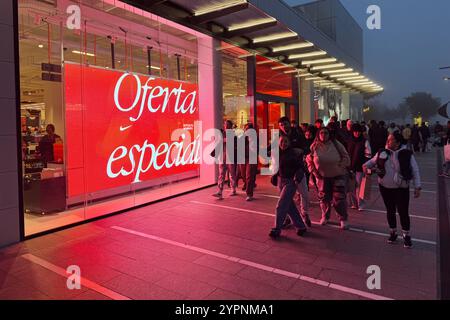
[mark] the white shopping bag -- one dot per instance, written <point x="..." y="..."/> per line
<point x="447" y="152"/>
<point x="365" y="188"/>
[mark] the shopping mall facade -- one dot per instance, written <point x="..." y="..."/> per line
<point x="117" y="80"/>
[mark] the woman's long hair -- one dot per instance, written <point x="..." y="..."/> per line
<point x="317" y="141"/>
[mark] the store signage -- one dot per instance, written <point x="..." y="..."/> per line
<point x="50" y="67"/>
<point x="52" y="72"/>
<point x="125" y="128"/>
<point x="51" y="77"/>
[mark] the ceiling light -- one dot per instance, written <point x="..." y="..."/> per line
<point x="293" y="46"/>
<point x="41" y="46"/>
<point x="329" y="66"/>
<point x="264" y="62"/>
<point x="282" y="67"/>
<point x="341" y="75"/>
<point x="218" y="7"/>
<point x="83" y="53"/>
<point x="307" y="55"/>
<point x="245" y="55"/>
<point x="338" y="71"/>
<point x="307" y="62"/>
<point x="251" y="23"/>
<point x="312" y="78"/>
<point x="296" y="70"/>
<point x="359" y="81"/>
<point x="303" y="75"/>
<point x="275" y="36"/>
<point x="351" y="78"/>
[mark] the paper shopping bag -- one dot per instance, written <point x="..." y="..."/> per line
<point x="365" y="188"/>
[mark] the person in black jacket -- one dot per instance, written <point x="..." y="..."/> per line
<point x="296" y="137"/>
<point x="47" y="142"/>
<point x="297" y="141"/>
<point x="425" y="135"/>
<point x="415" y="138"/>
<point x="359" y="151"/>
<point x="287" y="170"/>
<point x="378" y="136"/>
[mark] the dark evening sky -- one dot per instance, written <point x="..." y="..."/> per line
<point x="405" y="55"/>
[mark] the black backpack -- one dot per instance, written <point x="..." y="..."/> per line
<point x="404" y="158"/>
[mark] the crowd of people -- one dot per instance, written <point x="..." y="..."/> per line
<point x="335" y="160"/>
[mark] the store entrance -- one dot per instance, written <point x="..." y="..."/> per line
<point x="269" y="112"/>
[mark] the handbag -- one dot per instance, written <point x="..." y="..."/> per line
<point x="447" y="152"/>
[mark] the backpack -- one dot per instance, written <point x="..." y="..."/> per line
<point x="405" y="173"/>
<point x="404" y="158"/>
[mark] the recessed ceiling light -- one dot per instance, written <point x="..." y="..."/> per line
<point x="41" y="46"/>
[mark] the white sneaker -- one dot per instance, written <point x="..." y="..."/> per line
<point x="344" y="225"/>
<point x="249" y="199"/>
<point x="323" y="221"/>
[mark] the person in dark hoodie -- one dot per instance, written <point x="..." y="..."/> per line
<point x="286" y="169"/>
<point x="359" y="151"/>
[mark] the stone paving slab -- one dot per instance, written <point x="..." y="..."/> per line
<point x="142" y="268"/>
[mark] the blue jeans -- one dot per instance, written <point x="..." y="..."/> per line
<point x="286" y="205"/>
<point x="303" y="192"/>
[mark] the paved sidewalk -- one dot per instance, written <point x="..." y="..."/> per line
<point x="198" y="247"/>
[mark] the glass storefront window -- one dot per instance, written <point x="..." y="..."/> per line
<point x="101" y="107"/>
<point x="236" y="101"/>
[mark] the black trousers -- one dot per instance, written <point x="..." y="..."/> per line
<point x="396" y="200"/>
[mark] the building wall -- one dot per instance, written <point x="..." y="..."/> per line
<point x="333" y="20"/>
<point x="9" y="188"/>
<point x="356" y="106"/>
<point x="306" y="102"/>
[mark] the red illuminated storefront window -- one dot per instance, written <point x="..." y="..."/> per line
<point x="272" y="82"/>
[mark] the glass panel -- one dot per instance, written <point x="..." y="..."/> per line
<point x="236" y="102"/>
<point x="116" y="91"/>
<point x="276" y="111"/>
<point x="273" y="81"/>
<point x="44" y="139"/>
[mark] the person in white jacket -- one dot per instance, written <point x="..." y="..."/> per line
<point x="396" y="168"/>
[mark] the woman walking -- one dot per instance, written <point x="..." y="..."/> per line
<point x="288" y="166"/>
<point x="396" y="167"/>
<point x="328" y="162"/>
